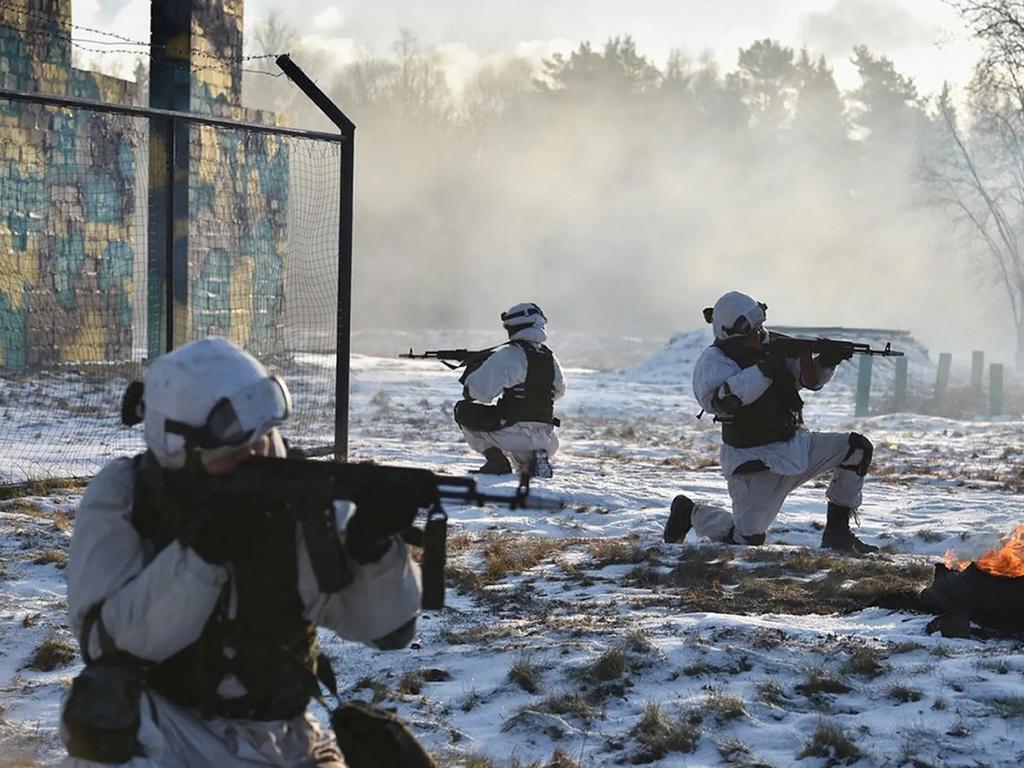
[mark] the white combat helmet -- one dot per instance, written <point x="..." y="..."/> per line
<point x="212" y="396"/>
<point x="524" y="320"/>
<point x="735" y="314"/>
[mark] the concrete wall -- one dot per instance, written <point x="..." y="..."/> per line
<point x="72" y="200"/>
<point x="67" y="201"/>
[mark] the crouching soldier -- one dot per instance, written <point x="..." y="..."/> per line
<point x="200" y="630"/>
<point x="526" y="378"/>
<point x="766" y="451"/>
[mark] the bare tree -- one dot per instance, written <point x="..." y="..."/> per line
<point x="978" y="176"/>
<point x="270" y="37"/>
<point x="969" y="178"/>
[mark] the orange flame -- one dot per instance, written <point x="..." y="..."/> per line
<point x="1008" y="560"/>
<point x="951" y="561"/>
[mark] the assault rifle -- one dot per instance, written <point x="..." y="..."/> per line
<point x="387" y="499"/>
<point x="454" y="359"/>
<point x="793" y="346"/>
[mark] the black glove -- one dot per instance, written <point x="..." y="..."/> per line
<point x="217" y="536"/>
<point x="383" y="510"/>
<point x="773" y="365"/>
<point x="234" y="531"/>
<point x="833" y="356"/>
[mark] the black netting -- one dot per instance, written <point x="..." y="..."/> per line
<point x="83" y="291"/>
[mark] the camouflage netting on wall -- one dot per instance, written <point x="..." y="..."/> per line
<point x="82" y="292"/>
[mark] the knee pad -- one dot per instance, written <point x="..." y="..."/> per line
<point x="859" y="442"/>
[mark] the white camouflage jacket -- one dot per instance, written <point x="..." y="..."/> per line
<point x="154" y="608"/>
<point x="715" y="371"/>
<point x="507" y="368"/>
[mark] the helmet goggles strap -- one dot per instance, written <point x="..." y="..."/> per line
<point x="224" y="427"/>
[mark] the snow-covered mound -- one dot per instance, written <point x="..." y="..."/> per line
<point x="673" y="364"/>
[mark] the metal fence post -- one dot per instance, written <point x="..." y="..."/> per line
<point x="863" y="386"/>
<point x="995" y="383"/>
<point x="942" y="378"/>
<point x="977" y="371"/>
<point x="900" y="384"/>
<point x="344" y="331"/>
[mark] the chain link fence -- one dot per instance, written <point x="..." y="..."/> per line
<point x="118" y="242"/>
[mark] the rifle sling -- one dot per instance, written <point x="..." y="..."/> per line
<point x="329" y="565"/>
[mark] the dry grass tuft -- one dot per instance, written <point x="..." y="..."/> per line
<point x="54" y="651"/>
<point x="723" y="706"/>
<point x="515" y="554"/>
<point x="459" y="542"/>
<point x="573" y="704"/>
<point x="616" y="551"/>
<point x="610" y="665"/>
<point x="770" y="692"/>
<point x="865" y="661"/>
<point x="904" y="694"/>
<point x="379" y="689"/>
<point x="658" y="734"/>
<point x="56" y="557"/>
<point x="830" y="742"/>
<point x="525" y="674"/>
<point x="1008" y="706"/>
<point x="820" y="680"/>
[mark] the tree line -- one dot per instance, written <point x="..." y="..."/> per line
<point x="623" y="192"/>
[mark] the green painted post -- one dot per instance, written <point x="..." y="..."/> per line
<point x="942" y="379"/>
<point x="900" y="393"/>
<point x="977" y="371"/>
<point x="995" y="392"/>
<point x="863" y="386"/>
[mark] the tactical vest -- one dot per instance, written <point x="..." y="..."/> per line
<point x="534" y="399"/>
<point x="268" y="646"/>
<point x="774" y="417"/>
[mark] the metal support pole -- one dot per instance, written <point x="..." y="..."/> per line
<point x="900" y="384"/>
<point x="942" y="378"/>
<point x="345" y="216"/>
<point x="863" y="386"/>
<point x="995" y="383"/>
<point x="977" y="371"/>
<point x="171" y="146"/>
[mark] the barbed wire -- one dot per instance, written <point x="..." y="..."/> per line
<point x="29" y="14"/>
<point x="222" y="61"/>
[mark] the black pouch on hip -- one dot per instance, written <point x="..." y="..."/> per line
<point x="102" y="714"/>
<point x="477" y="416"/>
<point x="370" y="738"/>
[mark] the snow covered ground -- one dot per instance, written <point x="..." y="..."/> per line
<point x="580" y="632"/>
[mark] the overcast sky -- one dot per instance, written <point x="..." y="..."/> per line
<point x="925" y="38"/>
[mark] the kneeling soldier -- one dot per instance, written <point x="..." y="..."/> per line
<point x="766" y="451"/>
<point x="199" y="625"/>
<point x="526" y="378"/>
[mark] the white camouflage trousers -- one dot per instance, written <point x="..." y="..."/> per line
<point x="175" y="737"/>
<point x="517" y="441"/>
<point x="757" y="497"/>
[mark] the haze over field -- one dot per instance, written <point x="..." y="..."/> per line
<point x="623" y="168"/>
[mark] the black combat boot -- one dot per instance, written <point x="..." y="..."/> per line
<point x="838" y="536"/>
<point x="679" y="520"/>
<point x="497" y="463"/>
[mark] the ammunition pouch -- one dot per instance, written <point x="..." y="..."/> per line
<point x="478" y="416"/>
<point x="102" y="713"/>
<point x="369" y="738"/>
<point x="751" y="434"/>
